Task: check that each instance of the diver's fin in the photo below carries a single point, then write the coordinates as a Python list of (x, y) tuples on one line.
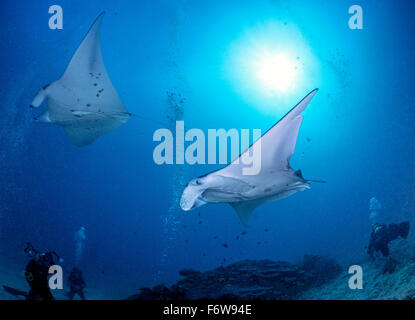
[(15, 292), (244, 209)]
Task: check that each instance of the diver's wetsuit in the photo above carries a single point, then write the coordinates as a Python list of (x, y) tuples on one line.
[(77, 284), (383, 234), (36, 274)]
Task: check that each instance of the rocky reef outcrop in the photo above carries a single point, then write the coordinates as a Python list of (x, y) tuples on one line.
[(247, 280), (320, 268), (384, 278)]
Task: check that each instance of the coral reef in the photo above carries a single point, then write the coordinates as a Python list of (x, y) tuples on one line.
[(247, 280), (320, 268), (317, 277)]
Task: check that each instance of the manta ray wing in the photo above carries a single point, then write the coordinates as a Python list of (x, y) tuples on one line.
[(277, 145), (88, 57), (84, 101)]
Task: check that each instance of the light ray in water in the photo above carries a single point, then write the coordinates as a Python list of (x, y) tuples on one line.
[(271, 62)]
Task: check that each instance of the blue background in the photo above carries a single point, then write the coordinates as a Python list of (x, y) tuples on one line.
[(359, 125)]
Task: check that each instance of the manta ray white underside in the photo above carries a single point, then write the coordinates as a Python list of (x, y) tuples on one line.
[(83, 101), (276, 179)]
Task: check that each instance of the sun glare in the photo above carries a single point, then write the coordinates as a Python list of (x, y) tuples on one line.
[(277, 72), (271, 63)]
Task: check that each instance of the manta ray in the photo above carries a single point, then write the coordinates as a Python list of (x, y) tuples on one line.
[(83, 101), (275, 180)]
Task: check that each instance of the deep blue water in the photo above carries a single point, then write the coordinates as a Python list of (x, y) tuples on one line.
[(357, 133)]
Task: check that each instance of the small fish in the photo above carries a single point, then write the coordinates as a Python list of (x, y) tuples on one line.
[(225, 245)]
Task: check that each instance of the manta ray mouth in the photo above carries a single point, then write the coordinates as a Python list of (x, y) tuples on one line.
[(187, 202), (191, 199), (187, 205)]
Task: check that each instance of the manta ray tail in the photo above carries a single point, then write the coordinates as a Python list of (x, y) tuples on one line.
[(148, 119), (244, 209), (318, 181), (299, 174)]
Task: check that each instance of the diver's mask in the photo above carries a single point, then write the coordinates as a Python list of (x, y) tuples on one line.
[(30, 251), (377, 227)]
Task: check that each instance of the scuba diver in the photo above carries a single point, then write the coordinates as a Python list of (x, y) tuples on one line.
[(77, 284), (382, 234), (36, 274), (37, 271)]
